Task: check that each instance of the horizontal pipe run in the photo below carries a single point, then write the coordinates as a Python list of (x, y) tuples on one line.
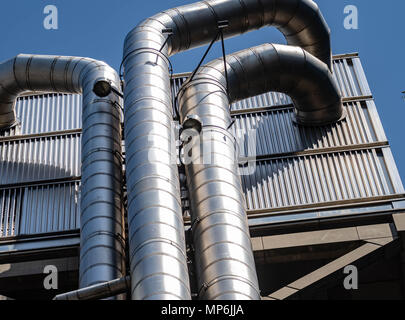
[(98, 291)]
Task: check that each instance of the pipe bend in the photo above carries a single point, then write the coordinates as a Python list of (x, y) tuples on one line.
[(194, 25), (47, 73), (191, 26), (287, 69), (101, 221)]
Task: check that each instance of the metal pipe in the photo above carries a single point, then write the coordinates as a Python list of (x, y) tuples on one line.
[(102, 227), (98, 291), (270, 67), (157, 248), (224, 257)]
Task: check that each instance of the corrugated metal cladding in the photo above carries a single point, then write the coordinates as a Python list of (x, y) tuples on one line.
[(289, 166), (40, 167), (40, 209), (294, 167)]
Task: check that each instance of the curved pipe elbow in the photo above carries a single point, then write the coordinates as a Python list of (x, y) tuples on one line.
[(193, 25), (280, 68), (102, 250), (43, 73)]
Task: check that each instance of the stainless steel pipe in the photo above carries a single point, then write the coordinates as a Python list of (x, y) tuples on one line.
[(224, 257), (98, 291), (268, 67), (102, 228), (157, 248)]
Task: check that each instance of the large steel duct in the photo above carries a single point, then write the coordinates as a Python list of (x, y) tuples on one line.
[(102, 228), (156, 234), (224, 258)]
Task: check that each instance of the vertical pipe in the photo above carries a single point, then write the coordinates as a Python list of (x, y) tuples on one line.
[(224, 257), (157, 248), (101, 220)]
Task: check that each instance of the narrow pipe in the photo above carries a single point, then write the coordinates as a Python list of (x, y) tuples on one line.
[(224, 257), (102, 228), (156, 232), (99, 291)]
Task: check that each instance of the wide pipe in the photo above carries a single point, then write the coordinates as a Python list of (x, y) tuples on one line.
[(156, 234), (270, 67), (101, 220), (224, 257)]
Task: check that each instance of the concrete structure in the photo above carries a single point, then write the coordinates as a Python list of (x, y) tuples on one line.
[(318, 198)]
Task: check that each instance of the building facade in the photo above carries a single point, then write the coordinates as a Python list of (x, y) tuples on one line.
[(318, 198)]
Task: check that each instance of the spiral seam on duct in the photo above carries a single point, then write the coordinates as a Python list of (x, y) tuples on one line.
[(224, 257), (157, 253), (102, 255)]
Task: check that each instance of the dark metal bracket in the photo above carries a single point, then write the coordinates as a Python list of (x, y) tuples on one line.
[(223, 24)]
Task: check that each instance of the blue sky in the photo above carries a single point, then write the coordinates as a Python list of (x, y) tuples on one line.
[(97, 29)]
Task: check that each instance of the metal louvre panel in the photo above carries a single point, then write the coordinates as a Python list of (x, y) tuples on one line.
[(268, 99), (274, 132), (350, 77), (101, 221), (50, 208), (347, 73), (46, 158), (10, 206), (219, 225), (14, 131), (49, 113), (360, 129), (40, 209), (63, 111), (295, 181), (264, 100), (52, 112)]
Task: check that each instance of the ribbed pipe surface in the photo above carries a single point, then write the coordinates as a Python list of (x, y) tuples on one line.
[(156, 228), (271, 67), (157, 248), (102, 230), (224, 257)]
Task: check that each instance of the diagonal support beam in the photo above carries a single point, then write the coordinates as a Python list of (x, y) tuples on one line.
[(399, 220), (370, 246)]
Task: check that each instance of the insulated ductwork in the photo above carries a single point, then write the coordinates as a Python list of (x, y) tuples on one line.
[(269, 67), (224, 258), (157, 248), (102, 231), (98, 291)]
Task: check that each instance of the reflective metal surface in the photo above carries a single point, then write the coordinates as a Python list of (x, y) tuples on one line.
[(98, 291), (101, 219), (152, 176), (265, 130), (46, 113), (40, 158), (56, 207), (224, 257), (313, 179), (272, 67)]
